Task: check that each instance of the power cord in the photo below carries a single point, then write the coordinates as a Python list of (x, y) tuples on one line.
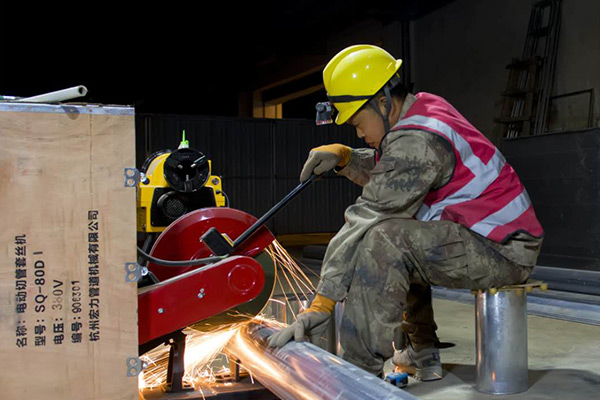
[(169, 263)]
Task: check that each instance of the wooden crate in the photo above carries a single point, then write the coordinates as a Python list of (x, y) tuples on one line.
[(68, 319)]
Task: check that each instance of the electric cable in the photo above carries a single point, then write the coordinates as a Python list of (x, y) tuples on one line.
[(169, 263), (226, 198)]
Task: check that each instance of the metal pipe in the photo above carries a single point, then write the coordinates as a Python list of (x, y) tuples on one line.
[(501, 341), (301, 370), (569, 280)]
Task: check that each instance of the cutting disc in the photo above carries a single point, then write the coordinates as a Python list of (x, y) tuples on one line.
[(181, 241)]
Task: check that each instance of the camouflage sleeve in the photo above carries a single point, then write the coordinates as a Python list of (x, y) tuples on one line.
[(358, 169), (398, 184)]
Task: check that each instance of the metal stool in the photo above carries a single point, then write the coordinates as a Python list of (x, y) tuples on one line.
[(501, 338)]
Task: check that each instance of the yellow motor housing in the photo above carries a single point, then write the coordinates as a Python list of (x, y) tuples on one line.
[(159, 203)]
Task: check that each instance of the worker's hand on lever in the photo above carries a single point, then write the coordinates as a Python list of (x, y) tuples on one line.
[(312, 323), (325, 158)]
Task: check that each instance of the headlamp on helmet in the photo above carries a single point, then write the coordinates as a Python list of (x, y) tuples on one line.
[(324, 113)]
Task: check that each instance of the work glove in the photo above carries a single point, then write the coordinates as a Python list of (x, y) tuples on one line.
[(325, 158), (312, 322)]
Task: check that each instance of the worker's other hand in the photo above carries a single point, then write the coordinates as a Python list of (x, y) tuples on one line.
[(325, 158), (311, 323)]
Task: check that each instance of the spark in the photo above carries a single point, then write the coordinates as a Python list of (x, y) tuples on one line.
[(298, 283), (257, 359), (201, 350), (286, 263), (204, 350), (289, 305), (267, 321)]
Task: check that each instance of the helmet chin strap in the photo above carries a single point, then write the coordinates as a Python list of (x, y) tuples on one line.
[(388, 108)]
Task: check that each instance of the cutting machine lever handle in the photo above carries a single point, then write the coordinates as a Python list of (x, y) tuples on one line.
[(273, 210), (220, 246)]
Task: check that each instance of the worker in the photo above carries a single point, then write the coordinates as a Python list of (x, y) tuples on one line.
[(440, 206)]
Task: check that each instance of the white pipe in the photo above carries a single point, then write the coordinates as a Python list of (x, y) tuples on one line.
[(59, 95)]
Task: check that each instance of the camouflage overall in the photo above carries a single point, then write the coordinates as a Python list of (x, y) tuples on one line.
[(383, 261)]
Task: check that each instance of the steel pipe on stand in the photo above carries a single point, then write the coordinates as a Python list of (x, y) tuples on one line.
[(501, 341)]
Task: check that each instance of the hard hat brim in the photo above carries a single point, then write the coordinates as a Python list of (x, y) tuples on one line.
[(342, 117)]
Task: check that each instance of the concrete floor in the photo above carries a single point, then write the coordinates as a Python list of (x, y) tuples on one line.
[(564, 358)]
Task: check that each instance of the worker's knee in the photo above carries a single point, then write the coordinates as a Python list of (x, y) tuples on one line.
[(381, 273), (377, 234), (390, 233)]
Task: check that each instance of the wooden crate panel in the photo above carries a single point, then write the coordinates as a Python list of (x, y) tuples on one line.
[(68, 319)]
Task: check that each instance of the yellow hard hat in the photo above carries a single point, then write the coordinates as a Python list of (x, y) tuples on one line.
[(355, 75)]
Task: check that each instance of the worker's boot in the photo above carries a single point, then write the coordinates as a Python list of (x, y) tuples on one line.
[(424, 364)]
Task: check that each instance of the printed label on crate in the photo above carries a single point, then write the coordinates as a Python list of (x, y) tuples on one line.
[(53, 311)]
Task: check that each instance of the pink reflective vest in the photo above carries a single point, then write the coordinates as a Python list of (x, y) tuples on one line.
[(484, 193)]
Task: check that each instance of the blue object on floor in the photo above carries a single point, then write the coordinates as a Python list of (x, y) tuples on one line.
[(398, 379)]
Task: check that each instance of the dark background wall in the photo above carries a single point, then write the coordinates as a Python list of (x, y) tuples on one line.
[(260, 161), (561, 172), (460, 52)]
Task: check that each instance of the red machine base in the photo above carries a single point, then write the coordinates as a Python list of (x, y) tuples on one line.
[(196, 295)]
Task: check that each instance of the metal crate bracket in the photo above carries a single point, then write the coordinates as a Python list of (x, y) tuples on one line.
[(131, 177), (134, 272), (134, 366)]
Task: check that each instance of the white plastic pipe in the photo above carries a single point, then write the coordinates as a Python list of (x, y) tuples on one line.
[(59, 95)]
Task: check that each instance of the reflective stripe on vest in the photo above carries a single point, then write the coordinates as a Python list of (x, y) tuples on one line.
[(484, 174), (472, 197)]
